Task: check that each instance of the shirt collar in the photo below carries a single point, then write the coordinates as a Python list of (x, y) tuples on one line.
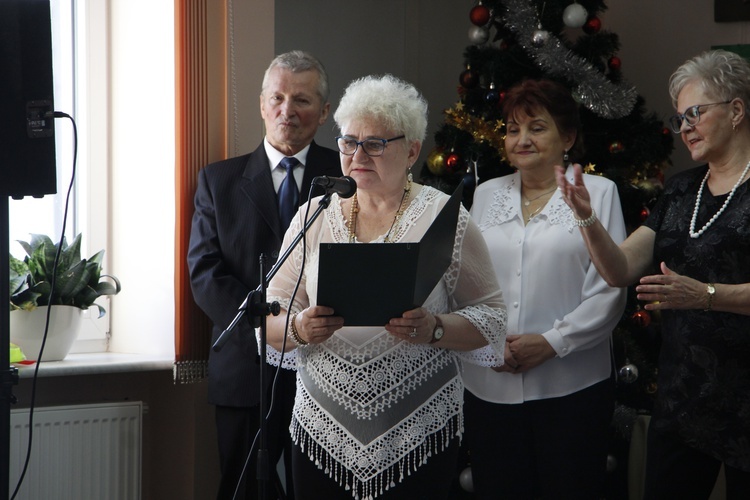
[(275, 156)]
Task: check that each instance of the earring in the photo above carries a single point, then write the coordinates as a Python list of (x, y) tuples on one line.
[(565, 156), (734, 127), (409, 177)]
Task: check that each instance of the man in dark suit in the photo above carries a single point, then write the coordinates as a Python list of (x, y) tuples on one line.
[(237, 218)]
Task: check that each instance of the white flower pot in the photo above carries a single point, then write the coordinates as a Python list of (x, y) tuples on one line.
[(27, 331)]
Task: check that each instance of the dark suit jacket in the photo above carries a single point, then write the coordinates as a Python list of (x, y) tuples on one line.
[(236, 220)]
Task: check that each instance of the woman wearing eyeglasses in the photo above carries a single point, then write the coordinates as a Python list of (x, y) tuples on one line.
[(379, 408), (691, 260)]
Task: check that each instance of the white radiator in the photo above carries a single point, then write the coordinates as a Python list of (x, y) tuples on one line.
[(83, 452)]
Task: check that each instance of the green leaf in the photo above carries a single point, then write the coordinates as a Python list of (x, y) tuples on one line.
[(78, 282), (71, 281), (19, 275)]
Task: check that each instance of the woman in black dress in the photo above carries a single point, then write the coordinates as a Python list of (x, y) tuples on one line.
[(691, 259)]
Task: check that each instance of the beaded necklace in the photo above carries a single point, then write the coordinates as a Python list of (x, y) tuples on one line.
[(692, 232), (352, 224)]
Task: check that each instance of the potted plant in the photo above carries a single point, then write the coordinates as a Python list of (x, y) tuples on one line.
[(79, 282)]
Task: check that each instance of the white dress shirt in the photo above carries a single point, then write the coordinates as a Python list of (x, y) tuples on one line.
[(550, 286), (278, 173)]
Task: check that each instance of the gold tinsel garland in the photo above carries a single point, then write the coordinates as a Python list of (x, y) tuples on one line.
[(481, 130)]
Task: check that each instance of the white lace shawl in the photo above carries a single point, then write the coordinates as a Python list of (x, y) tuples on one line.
[(370, 408)]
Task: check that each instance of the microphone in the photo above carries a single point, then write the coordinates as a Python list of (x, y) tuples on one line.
[(344, 186)]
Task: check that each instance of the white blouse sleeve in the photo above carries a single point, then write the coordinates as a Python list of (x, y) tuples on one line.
[(476, 293), (601, 305), (285, 280)]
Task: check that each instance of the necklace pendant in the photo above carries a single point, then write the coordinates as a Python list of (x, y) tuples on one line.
[(526, 203)]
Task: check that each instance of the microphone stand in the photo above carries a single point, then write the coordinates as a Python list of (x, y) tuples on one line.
[(257, 308), (224, 337)]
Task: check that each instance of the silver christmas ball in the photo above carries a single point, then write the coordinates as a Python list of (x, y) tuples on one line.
[(628, 373), (466, 480), (479, 35), (575, 15), (539, 38)]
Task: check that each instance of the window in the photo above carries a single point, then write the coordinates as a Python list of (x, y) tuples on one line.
[(114, 73), (46, 215)]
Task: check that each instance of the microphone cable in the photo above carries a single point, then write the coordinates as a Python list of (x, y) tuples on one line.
[(53, 282)]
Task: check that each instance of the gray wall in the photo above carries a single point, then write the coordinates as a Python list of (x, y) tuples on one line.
[(421, 41), (656, 37)]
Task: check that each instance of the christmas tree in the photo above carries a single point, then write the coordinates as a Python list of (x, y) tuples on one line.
[(565, 41)]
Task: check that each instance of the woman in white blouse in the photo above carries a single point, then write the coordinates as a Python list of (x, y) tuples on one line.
[(378, 411), (537, 426)]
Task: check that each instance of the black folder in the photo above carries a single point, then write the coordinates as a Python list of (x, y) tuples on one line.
[(370, 283)]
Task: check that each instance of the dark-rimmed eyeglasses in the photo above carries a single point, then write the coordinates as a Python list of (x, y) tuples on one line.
[(692, 116), (373, 147)]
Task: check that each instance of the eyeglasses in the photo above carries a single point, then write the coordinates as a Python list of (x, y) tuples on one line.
[(373, 147), (692, 116)]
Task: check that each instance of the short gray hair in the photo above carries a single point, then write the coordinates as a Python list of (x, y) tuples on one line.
[(298, 61), (723, 75), (386, 100)]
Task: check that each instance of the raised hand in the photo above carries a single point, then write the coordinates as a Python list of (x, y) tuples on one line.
[(575, 194)]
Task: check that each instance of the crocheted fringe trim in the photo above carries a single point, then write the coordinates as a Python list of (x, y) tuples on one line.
[(189, 372), (369, 489)]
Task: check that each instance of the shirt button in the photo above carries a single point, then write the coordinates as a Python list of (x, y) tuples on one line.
[(515, 305)]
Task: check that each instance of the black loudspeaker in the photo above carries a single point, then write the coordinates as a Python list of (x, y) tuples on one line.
[(27, 138)]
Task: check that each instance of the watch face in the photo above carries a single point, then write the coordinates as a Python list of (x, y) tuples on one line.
[(711, 289), (438, 333)]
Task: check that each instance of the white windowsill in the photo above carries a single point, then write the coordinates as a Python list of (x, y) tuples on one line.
[(98, 363)]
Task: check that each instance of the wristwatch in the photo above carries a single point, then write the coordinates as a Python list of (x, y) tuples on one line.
[(438, 332), (711, 291)]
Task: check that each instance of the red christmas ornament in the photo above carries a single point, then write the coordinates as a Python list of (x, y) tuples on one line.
[(616, 147), (644, 214), (614, 63), (593, 25), (453, 163), (641, 318), (469, 79), (479, 15)]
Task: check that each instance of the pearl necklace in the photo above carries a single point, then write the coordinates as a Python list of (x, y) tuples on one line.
[(692, 232), (352, 224)]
